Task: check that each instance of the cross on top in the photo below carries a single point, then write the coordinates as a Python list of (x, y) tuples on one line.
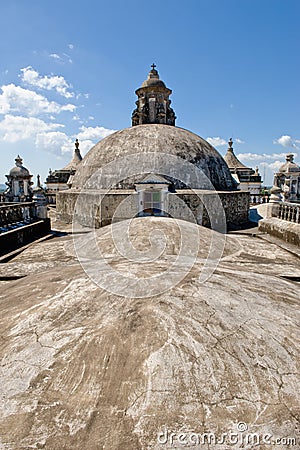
[(153, 66)]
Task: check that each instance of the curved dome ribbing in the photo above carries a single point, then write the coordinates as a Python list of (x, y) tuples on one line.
[(157, 138)]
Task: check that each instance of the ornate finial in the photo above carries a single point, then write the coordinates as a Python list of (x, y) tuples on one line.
[(38, 181), (153, 66), (19, 160), (77, 154), (290, 157), (230, 143)]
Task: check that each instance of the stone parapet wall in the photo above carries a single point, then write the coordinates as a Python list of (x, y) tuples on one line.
[(97, 208), (288, 231), (16, 238), (236, 205), (205, 203)]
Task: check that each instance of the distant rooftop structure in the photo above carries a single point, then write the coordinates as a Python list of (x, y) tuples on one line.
[(62, 179), (232, 161), (19, 183), (38, 188), (289, 165), (288, 179), (247, 178)]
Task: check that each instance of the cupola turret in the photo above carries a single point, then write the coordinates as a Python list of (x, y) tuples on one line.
[(153, 104)]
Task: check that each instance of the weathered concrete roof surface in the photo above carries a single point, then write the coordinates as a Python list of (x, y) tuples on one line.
[(82, 368), (159, 139)]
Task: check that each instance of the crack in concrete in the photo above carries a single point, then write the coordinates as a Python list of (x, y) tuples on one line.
[(42, 345)]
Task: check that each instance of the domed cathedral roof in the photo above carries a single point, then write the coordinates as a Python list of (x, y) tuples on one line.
[(154, 130), (289, 165), (157, 138), (19, 170)]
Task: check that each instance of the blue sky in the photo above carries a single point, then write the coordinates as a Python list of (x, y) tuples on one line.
[(69, 69)]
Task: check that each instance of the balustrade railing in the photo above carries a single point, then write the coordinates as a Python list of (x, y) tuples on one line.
[(14, 215), (288, 211), (256, 199)]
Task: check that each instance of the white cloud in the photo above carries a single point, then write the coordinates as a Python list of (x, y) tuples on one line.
[(18, 128), (16, 99), (71, 46), (48, 136), (64, 57), (54, 142), (59, 143), (261, 157), (216, 141), (54, 82), (287, 141), (88, 136), (220, 142), (45, 136), (93, 133), (55, 56), (274, 166)]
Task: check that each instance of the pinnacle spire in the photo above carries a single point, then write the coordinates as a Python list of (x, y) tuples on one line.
[(19, 161), (77, 158), (231, 159)]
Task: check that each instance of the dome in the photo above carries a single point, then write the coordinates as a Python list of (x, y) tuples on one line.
[(153, 82), (160, 139), (153, 79), (19, 170)]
